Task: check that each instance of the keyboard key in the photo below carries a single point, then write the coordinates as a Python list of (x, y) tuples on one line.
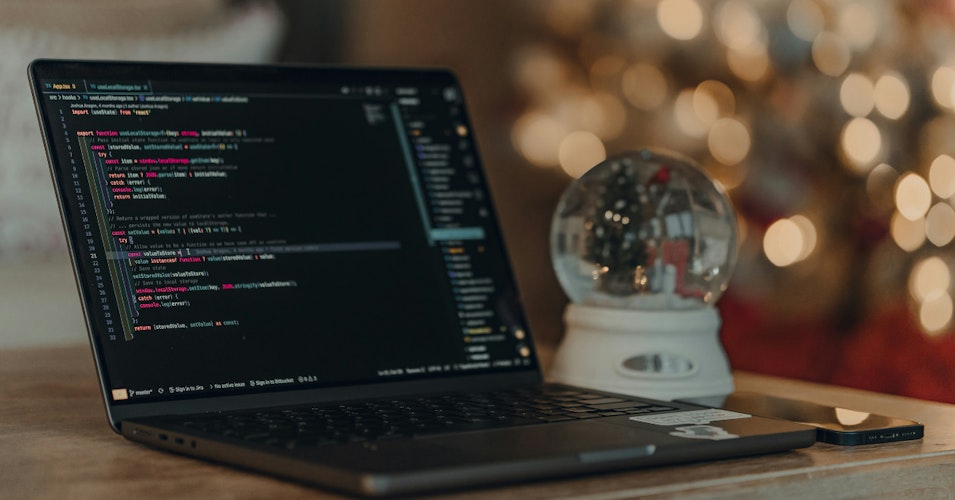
[(556, 418), (602, 401), (618, 406)]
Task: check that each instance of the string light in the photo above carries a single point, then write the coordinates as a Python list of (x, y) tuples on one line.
[(729, 141), (935, 314), (738, 25), (705, 106), (805, 19), (943, 84), (644, 86), (908, 234), (686, 116), (940, 224), (720, 93), (788, 241), (809, 234), (538, 70), (929, 284), (928, 277), (751, 65), (579, 151), (537, 137), (858, 25), (861, 142), (830, 54), (942, 176), (680, 19), (603, 114), (913, 196), (891, 95), (857, 95)]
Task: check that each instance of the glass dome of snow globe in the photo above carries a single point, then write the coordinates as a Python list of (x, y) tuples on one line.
[(644, 230)]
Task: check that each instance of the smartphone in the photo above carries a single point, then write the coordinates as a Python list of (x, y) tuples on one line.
[(839, 426)]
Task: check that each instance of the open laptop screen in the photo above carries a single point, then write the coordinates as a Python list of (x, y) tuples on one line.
[(241, 229)]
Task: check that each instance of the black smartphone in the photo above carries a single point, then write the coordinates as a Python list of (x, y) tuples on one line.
[(840, 426)]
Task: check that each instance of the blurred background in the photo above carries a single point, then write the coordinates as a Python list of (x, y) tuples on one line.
[(830, 122)]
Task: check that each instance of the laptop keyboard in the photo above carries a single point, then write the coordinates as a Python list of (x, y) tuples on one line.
[(399, 418)]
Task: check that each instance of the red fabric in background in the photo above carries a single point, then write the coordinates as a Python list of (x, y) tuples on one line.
[(888, 353)]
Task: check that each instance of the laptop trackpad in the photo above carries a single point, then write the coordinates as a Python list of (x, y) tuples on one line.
[(588, 441)]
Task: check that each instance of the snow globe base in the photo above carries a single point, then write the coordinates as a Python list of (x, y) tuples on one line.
[(664, 354)]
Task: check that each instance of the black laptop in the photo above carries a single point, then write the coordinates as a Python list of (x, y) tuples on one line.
[(298, 271)]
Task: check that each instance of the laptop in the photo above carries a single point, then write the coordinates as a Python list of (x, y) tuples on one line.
[(298, 271)]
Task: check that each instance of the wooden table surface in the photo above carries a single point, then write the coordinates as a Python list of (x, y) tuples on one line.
[(55, 443)]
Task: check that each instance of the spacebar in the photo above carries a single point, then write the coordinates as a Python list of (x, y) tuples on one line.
[(475, 426)]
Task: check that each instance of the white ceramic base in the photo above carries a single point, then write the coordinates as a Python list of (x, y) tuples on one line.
[(657, 354)]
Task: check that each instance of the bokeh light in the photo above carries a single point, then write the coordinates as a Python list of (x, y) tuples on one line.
[(788, 241), (856, 95), (861, 142), (940, 224), (537, 137), (705, 106), (720, 93), (912, 196), (941, 176), (908, 234), (729, 141), (858, 24), (830, 53), (686, 117), (783, 243), (580, 151), (644, 86), (539, 69), (929, 284), (738, 25), (891, 95), (935, 313), (805, 19), (680, 19), (943, 84), (752, 65), (809, 235), (603, 114), (928, 277)]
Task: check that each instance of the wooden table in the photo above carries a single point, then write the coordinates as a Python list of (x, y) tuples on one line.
[(55, 443)]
